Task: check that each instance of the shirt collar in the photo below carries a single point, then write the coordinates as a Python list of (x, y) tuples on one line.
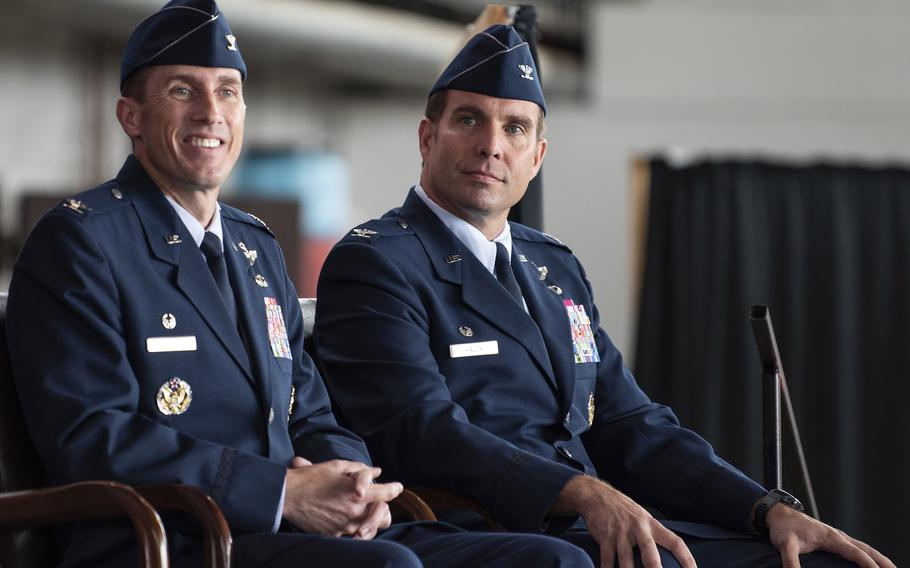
[(197, 231), (470, 236)]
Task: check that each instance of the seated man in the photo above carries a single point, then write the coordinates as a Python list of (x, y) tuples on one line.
[(467, 351), (139, 357)]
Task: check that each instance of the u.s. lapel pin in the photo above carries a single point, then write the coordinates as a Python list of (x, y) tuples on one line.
[(452, 258), (173, 239), (250, 254), (522, 258)]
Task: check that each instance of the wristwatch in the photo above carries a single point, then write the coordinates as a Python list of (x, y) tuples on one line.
[(771, 498)]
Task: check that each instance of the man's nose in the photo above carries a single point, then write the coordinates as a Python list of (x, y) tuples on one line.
[(208, 109), (489, 142)]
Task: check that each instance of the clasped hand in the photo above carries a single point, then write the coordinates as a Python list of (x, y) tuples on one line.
[(337, 498)]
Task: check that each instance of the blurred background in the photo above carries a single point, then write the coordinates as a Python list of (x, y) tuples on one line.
[(704, 156)]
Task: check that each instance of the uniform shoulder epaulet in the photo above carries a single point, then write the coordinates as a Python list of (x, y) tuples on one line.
[(103, 198), (244, 217), (376, 228), (524, 233)]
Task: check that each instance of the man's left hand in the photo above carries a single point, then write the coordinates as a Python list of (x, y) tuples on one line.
[(792, 533)]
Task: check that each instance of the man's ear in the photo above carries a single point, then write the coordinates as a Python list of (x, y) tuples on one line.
[(425, 131), (540, 153), (129, 117)]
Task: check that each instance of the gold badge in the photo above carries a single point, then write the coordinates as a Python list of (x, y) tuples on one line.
[(261, 281), (76, 205), (250, 254), (466, 331), (291, 405), (168, 321), (591, 409), (174, 397)]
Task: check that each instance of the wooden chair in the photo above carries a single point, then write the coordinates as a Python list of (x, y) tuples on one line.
[(28, 506)]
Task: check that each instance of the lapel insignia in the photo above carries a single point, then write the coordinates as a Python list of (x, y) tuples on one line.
[(452, 258), (291, 405), (278, 334), (232, 42), (591, 409), (583, 344), (174, 397), (168, 321), (542, 272), (76, 205), (522, 258), (261, 281), (250, 254), (466, 331), (173, 239), (555, 289), (365, 233)]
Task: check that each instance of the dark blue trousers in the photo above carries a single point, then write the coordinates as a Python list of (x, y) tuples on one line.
[(716, 547), (408, 545)]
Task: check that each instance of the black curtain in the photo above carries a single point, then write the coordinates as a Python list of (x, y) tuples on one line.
[(827, 248)]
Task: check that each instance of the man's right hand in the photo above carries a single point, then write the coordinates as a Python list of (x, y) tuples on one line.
[(619, 524), (337, 498)]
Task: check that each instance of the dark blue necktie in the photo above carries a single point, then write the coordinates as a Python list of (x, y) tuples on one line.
[(214, 256), (504, 274)]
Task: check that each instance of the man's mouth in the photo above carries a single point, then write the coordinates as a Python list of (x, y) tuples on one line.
[(200, 142), (482, 175)]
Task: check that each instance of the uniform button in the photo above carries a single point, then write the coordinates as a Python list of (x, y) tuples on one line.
[(565, 451), (271, 415)]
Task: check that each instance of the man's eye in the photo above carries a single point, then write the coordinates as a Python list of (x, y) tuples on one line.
[(515, 129), (469, 120), (181, 91), (227, 93)]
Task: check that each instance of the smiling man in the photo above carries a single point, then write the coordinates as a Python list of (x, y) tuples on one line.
[(156, 338), (468, 353)]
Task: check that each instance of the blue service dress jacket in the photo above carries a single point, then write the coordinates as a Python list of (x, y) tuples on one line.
[(453, 384), (129, 368)]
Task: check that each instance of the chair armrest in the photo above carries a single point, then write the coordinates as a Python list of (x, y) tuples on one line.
[(216, 533), (411, 507), (88, 500), (440, 500)]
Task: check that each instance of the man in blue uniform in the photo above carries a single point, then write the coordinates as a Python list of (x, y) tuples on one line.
[(468, 353), (155, 338)]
